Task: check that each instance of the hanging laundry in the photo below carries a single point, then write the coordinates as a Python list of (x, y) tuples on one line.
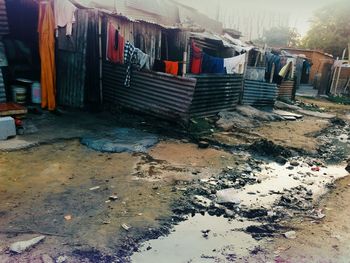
[(129, 52), (142, 60), (171, 67), (196, 59), (64, 15), (46, 29), (134, 56), (159, 65), (212, 65), (115, 45), (235, 64), (286, 69)]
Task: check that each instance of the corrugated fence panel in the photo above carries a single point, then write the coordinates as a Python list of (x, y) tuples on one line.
[(157, 94), (285, 90), (71, 65), (2, 88), (4, 27), (258, 93), (215, 93)]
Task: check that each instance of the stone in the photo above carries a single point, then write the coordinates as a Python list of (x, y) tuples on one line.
[(227, 196), (47, 259), (290, 235), (203, 144), (21, 246), (294, 163), (202, 201)]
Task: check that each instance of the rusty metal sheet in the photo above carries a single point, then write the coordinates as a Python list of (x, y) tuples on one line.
[(285, 90), (258, 93)]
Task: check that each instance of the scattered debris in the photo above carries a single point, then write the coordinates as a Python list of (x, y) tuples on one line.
[(95, 188), (61, 259), (126, 227), (113, 197), (21, 246), (68, 217)]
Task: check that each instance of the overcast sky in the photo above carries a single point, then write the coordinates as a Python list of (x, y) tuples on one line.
[(298, 12)]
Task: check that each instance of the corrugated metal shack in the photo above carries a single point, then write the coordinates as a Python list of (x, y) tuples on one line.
[(176, 98)]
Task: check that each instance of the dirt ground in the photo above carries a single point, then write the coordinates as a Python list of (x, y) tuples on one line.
[(182, 203), (298, 134)]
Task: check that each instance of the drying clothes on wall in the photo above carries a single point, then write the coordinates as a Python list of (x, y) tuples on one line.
[(212, 65), (115, 45), (134, 56), (64, 15), (196, 59), (270, 60), (142, 60), (46, 29), (235, 64), (171, 67), (129, 53), (159, 65), (286, 69)]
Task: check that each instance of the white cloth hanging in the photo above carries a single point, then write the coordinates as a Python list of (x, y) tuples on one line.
[(64, 15), (235, 64)]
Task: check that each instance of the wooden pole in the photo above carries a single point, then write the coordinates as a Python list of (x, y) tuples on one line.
[(272, 72), (100, 56), (339, 71)]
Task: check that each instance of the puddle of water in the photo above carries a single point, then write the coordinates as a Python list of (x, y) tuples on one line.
[(278, 178), (187, 243)]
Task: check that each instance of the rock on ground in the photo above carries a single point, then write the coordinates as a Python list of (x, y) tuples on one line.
[(285, 106), (231, 119), (253, 113), (21, 246)]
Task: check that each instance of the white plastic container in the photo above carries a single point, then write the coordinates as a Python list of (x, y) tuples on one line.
[(36, 93), (7, 128)]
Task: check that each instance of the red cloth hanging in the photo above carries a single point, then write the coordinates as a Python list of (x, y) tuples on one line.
[(115, 45), (171, 67), (197, 56)]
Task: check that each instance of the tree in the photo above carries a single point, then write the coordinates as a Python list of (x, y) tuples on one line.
[(280, 37), (330, 29)]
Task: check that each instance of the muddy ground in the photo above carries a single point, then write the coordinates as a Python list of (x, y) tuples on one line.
[(173, 201)]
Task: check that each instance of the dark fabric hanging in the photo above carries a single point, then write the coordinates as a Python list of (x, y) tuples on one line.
[(93, 95)]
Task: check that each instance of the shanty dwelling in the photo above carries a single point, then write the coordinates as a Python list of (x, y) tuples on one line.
[(271, 75), (189, 68), (316, 69), (165, 85)]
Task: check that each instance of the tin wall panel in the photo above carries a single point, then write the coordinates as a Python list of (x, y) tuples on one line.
[(153, 93), (215, 93), (260, 94), (4, 27), (71, 65)]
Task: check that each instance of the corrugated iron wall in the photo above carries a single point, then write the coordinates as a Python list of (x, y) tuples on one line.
[(71, 65), (260, 94), (157, 94), (215, 93), (4, 27), (285, 90)]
